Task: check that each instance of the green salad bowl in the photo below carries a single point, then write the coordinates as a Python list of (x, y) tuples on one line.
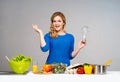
[(20, 67)]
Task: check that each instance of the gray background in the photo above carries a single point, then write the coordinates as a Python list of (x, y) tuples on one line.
[(101, 16)]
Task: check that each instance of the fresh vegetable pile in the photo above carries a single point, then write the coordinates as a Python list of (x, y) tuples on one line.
[(56, 68), (59, 68), (80, 69), (20, 64)]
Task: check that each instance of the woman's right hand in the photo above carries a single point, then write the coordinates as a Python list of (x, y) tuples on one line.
[(35, 27), (39, 31)]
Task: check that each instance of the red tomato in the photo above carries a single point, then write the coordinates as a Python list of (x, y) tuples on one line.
[(80, 70)]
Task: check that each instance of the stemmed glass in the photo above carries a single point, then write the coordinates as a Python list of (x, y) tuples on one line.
[(84, 33)]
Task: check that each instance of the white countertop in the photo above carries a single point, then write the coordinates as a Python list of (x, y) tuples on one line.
[(111, 76)]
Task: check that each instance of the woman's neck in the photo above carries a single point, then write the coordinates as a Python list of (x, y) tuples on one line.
[(61, 33)]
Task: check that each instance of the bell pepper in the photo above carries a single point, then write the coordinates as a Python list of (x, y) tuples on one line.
[(88, 69), (47, 67)]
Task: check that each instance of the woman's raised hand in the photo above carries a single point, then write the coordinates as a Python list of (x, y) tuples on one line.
[(39, 31), (35, 27), (82, 44)]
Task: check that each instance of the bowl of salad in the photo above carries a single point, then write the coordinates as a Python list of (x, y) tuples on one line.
[(20, 64)]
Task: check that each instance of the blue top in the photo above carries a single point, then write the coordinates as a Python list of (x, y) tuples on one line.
[(60, 49)]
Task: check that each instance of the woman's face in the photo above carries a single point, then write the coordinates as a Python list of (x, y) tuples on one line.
[(58, 23)]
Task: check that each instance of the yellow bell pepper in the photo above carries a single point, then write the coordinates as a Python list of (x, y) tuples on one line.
[(88, 69)]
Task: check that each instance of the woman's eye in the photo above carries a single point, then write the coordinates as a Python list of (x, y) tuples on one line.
[(54, 21), (59, 20)]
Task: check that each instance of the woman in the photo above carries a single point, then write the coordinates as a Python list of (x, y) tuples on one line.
[(59, 43)]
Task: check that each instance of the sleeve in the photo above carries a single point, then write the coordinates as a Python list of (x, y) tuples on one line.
[(71, 47), (47, 40)]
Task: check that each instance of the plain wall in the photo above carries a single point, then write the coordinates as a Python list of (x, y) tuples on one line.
[(101, 16)]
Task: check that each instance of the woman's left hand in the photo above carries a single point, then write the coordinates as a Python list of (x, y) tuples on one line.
[(82, 44)]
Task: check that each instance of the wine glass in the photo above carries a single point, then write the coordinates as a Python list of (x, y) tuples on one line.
[(84, 33)]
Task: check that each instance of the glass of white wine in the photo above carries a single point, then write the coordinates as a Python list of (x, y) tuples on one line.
[(84, 33)]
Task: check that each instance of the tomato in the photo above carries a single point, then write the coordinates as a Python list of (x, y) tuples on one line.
[(47, 67), (80, 70)]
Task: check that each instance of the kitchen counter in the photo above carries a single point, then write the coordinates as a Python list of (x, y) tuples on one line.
[(110, 76)]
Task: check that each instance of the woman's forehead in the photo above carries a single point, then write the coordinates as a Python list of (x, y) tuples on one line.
[(57, 18)]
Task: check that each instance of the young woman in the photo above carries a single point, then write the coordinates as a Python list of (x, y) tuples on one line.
[(59, 43)]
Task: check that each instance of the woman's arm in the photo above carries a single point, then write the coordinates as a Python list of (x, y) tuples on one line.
[(39, 31), (80, 46)]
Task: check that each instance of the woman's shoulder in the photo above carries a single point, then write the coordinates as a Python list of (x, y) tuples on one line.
[(70, 35), (47, 34)]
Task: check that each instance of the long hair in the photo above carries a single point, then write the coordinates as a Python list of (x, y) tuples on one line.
[(53, 33)]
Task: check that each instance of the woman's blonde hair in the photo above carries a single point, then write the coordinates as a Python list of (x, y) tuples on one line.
[(53, 33)]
